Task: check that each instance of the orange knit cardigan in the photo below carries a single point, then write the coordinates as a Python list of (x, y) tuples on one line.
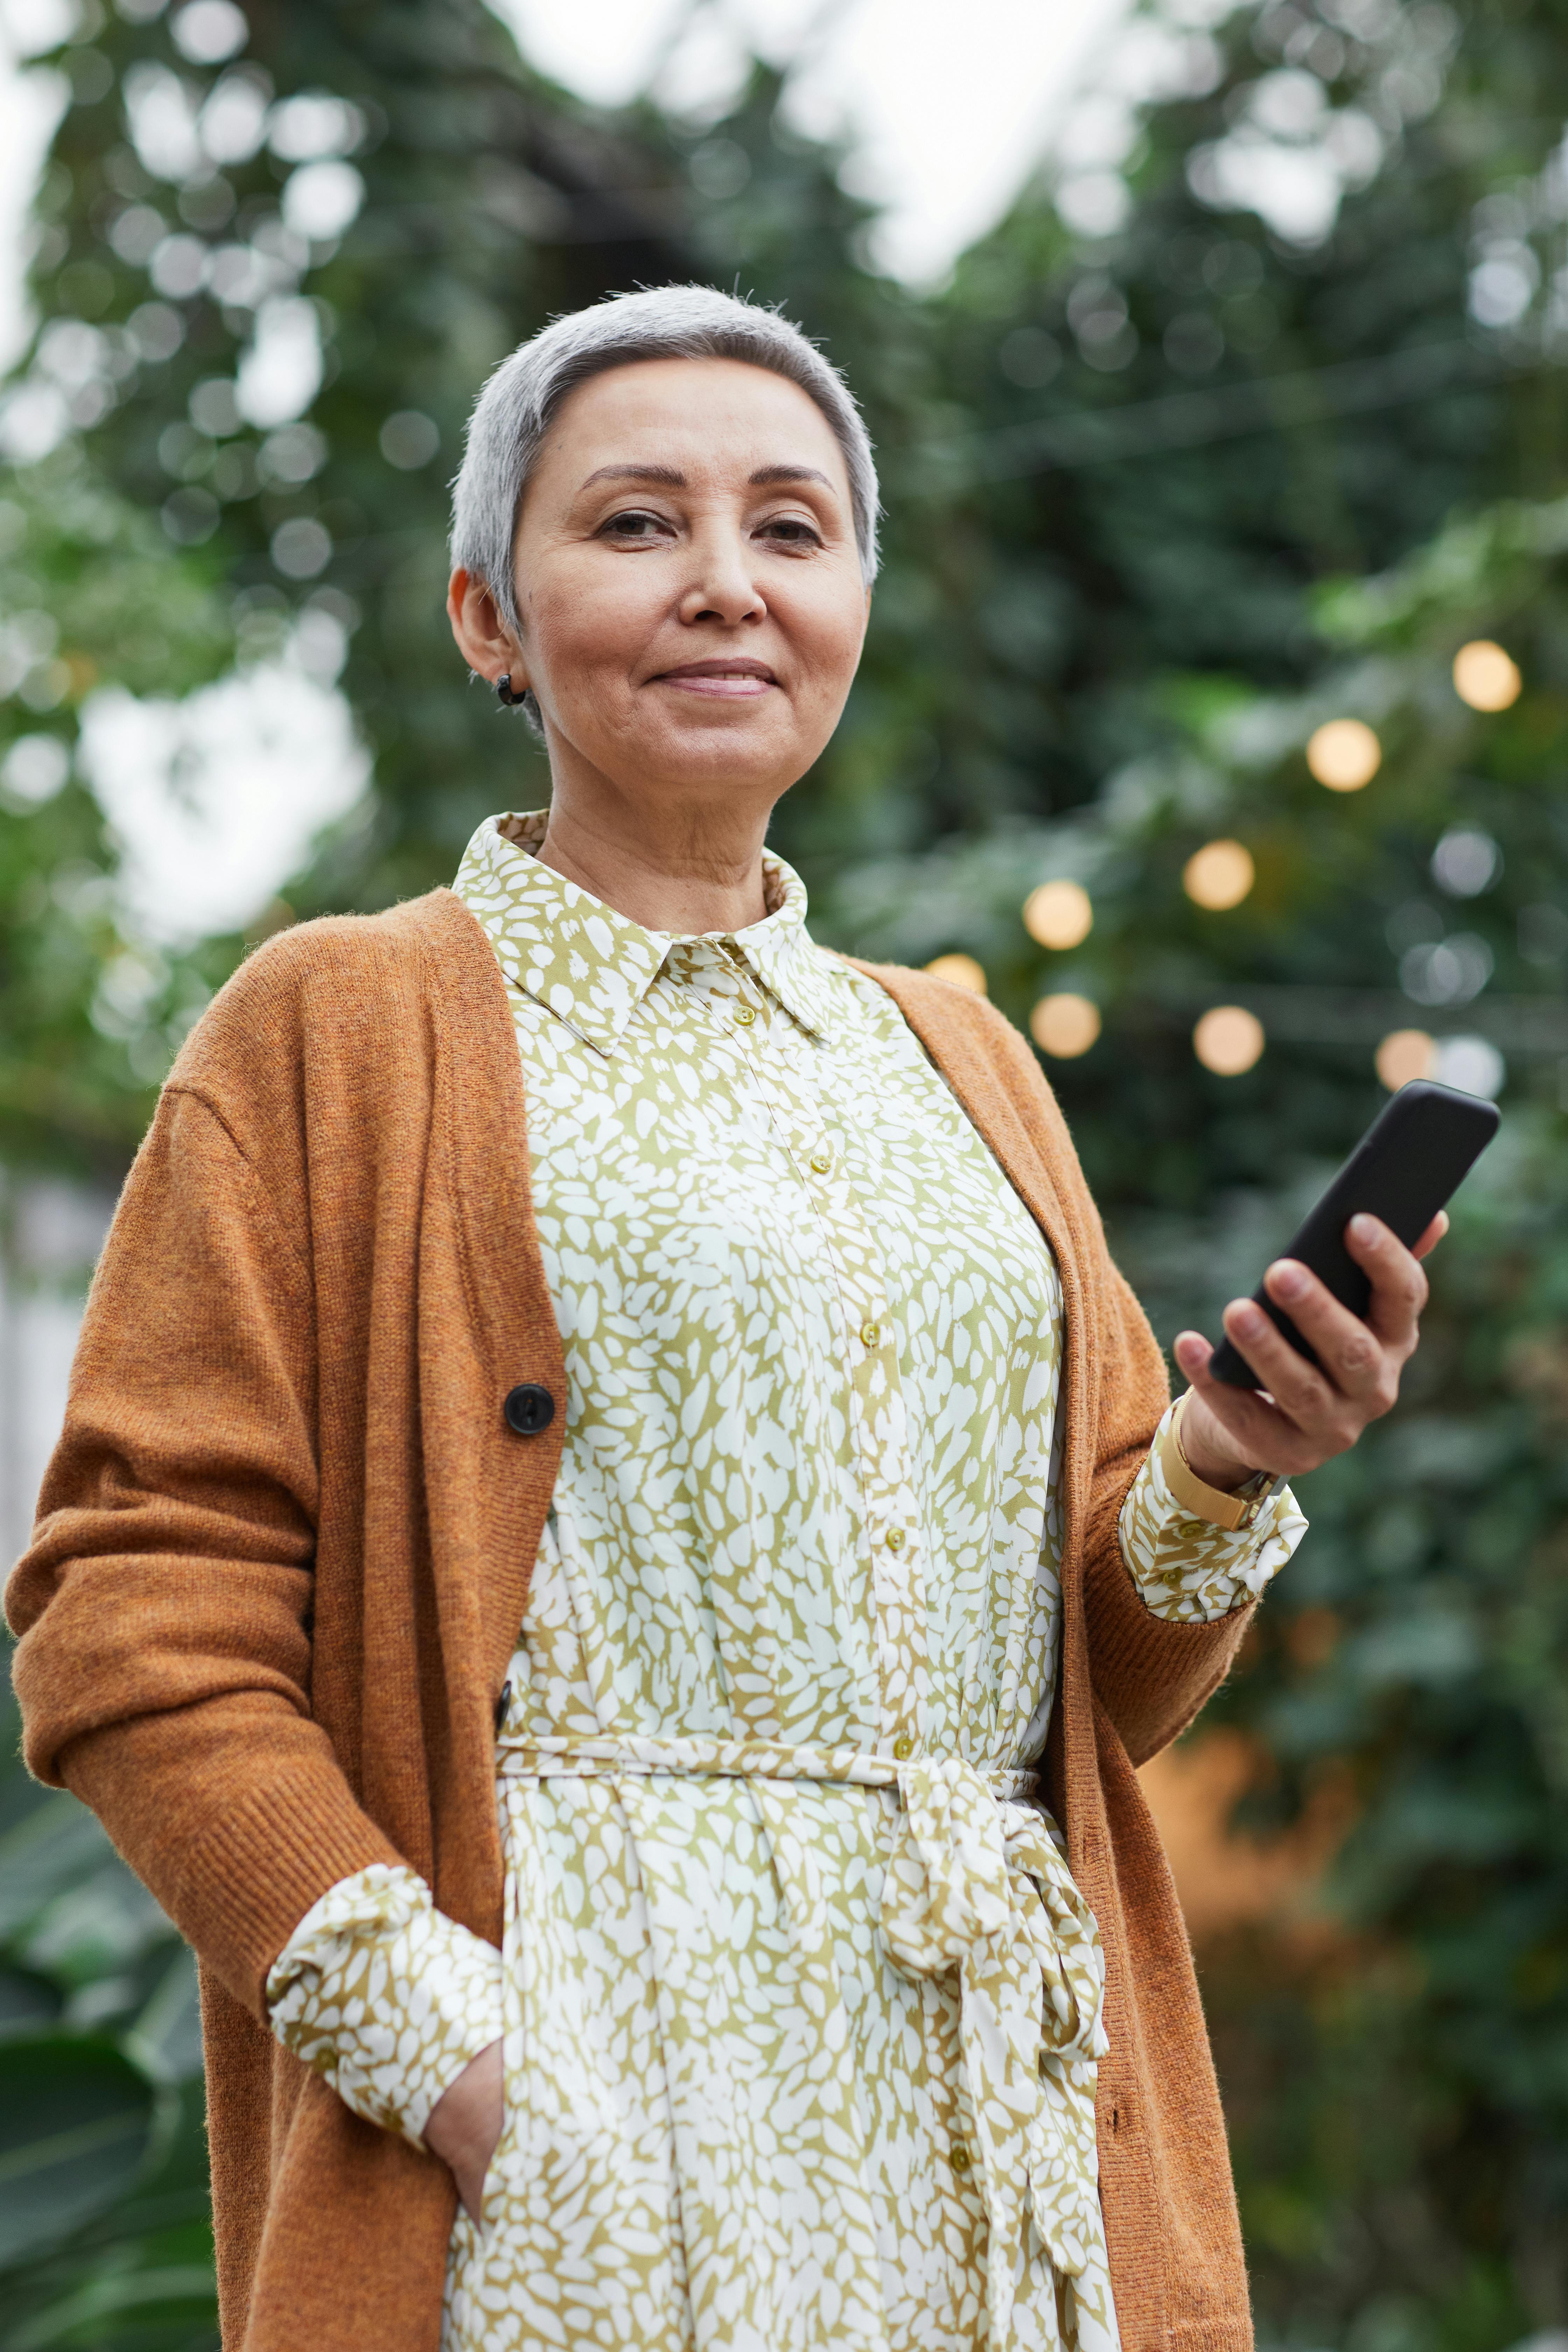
[(284, 1544)]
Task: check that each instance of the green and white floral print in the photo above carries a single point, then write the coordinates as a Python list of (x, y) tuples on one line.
[(379, 1995), (800, 2006)]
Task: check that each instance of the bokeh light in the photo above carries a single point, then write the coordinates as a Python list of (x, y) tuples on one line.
[(32, 770), (1485, 677), (1228, 1040), (1405, 1054), (1466, 862), (1058, 914), (1473, 1064), (963, 970), (1344, 754), (1219, 875), (1065, 1026)]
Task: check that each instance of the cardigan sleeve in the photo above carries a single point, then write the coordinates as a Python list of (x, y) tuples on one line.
[(164, 1669)]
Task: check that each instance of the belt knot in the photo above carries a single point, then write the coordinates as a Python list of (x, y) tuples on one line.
[(981, 1889)]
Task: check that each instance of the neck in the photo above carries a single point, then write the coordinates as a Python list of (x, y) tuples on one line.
[(670, 869)]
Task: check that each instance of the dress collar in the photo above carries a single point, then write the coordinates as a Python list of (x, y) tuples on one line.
[(590, 967)]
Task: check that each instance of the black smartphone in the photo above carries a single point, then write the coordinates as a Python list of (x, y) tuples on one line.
[(1409, 1162)]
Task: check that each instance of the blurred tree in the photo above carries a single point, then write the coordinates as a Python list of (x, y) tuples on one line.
[(274, 264), (271, 349), (1158, 435), (1289, 301)]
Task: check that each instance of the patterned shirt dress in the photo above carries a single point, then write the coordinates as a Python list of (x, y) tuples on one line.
[(800, 2006)]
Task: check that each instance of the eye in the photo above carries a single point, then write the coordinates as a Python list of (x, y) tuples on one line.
[(790, 530), (634, 524)]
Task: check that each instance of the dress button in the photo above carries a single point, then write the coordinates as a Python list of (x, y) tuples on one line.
[(821, 1161), (1188, 1528), (903, 1748), (895, 1538), (960, 2157), (529, 1409), (870, 1335), (744, 1017)]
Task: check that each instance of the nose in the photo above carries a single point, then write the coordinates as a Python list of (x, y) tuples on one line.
[(722, 586)]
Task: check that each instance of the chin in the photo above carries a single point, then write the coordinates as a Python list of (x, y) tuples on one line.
[(715, 755), (716, 746)]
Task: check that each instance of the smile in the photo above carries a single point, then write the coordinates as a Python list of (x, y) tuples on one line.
[(737, 680)]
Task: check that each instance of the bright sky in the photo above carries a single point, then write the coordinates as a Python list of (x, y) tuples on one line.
[(949, 105)]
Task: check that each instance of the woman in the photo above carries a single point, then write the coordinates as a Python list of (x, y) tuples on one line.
[(609, 1482)]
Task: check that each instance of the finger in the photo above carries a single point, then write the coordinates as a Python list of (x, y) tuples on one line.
[(1305, 1396), (1432, 1237), (1290, 1401), (1253, 1424), (1229, 1405), (1399, 1289), (1355, 1360)]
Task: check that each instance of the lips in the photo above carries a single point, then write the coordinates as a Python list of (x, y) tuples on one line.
[(735, 678)]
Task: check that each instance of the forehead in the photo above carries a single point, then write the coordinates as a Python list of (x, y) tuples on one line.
[(704, 416)]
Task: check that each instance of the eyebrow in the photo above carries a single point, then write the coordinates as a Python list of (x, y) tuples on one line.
[(672, 479), (765, 473), (670, 476)]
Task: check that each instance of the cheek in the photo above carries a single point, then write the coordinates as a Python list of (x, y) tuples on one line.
[(585, 627), (826, 631)]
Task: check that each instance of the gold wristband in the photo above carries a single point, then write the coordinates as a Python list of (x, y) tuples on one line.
[(1205, 1502)]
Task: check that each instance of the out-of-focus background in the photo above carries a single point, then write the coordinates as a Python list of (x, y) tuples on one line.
[(1214, 719)]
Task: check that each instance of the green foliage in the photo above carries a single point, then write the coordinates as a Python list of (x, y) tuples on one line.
[(79, 2119), (105, 2238), (1162, 498), (101, 595)]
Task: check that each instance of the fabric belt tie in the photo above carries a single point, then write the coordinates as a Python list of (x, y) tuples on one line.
[(977, 1889)]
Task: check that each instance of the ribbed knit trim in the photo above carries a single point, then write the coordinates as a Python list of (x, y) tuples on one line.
[(246, 1884)]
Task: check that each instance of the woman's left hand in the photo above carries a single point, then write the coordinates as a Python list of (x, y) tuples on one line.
[(1309, 1414), (464, 2126)]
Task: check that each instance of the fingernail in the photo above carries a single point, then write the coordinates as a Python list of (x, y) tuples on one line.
[(1288, 1277), (1250, 1318), (1363, 1229)]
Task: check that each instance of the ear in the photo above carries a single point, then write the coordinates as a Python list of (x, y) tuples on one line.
[(484, 640)]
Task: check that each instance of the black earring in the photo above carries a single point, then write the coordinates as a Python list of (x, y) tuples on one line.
[(504, 695)]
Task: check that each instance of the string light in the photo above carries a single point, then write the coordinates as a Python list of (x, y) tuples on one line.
[(1404, 1055), (961, 969), (1344, 754), (1228, 1040), (1065, 1026), (1219, 875), (1058, 914), (1485, 677)]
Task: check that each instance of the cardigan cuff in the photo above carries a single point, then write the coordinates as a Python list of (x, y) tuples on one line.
[(247, 1874)]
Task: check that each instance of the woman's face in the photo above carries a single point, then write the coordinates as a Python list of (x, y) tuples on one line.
[(689, 590)]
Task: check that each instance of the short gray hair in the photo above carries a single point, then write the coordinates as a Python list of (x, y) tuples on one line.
[(513, 412)]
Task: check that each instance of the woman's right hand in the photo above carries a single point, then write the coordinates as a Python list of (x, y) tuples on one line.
[(464, 2126)]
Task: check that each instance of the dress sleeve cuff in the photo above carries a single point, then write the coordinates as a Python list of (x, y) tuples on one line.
[(1195, 1553), (384, 1997)]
